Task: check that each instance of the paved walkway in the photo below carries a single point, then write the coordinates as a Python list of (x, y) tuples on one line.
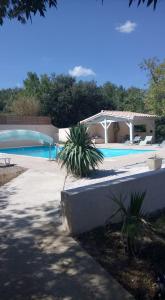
[(38, 261)]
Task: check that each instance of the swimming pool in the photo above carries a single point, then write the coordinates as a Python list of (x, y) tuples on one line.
[(44, 151)]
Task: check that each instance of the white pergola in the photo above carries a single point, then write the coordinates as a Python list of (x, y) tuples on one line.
[(105, 118)]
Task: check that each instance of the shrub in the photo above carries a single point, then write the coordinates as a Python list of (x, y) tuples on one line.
[(79, 155), (133, 219)]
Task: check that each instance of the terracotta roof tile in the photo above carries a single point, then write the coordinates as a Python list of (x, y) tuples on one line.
[(120, 114)]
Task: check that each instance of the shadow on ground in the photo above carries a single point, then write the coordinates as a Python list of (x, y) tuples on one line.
[(105, 173), (39, 262)]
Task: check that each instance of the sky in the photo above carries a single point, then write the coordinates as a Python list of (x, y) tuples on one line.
[(85, 39)]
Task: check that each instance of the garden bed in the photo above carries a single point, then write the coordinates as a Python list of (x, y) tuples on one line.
[(10, 172), (139, 274)]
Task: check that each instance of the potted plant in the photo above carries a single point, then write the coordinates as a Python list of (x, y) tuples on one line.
[(154, 163)]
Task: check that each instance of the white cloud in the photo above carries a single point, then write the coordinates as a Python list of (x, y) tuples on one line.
[(127, 27), (79, 71)]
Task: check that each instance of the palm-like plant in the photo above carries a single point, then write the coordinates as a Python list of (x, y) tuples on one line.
[(133, 219), (79, 155)]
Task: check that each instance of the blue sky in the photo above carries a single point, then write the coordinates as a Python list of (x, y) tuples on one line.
[(101, 42)]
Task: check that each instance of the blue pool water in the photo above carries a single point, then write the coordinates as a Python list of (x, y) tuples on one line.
[(121, 152), (43, 151)]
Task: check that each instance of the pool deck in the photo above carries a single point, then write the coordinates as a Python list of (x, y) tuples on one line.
[(118, 167), (39, 261)]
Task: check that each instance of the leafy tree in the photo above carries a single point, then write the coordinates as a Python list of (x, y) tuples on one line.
[(87, 100), (113, 96), (160, 129), (56, 99), (79, 156), (134, 100), (155, 96), (150, 67), (32, 85), (24, 9), (148, 2), (68, 101), (25, 106), (6, 98)]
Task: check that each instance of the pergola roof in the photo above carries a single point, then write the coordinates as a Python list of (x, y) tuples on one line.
[(118, 116)]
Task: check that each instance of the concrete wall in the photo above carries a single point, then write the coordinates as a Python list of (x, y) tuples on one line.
[(98, 130), (88, 207), (46, 129), (63, 134), (150, 128)]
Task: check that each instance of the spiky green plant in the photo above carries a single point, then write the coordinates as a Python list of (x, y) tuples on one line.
[(133, 219), (79, 155)]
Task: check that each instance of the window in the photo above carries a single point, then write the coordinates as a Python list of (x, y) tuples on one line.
[(140, 128)]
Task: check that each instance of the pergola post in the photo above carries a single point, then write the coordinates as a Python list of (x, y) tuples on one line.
[(105, 133), (106, 125), (131, 131)]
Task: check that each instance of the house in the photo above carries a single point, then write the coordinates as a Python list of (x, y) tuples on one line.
[(118, 126)]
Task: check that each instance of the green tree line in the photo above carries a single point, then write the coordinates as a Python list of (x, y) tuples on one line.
[(68, 101)]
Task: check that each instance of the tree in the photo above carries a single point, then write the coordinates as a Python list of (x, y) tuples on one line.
[(148, 2), (56, 99), (150, 66), (68, 101), (79, 155), (25, 106), (134, 100), (155, 95), (32, 85), (24, 9), (6, 98), (113, 96), (160, 129), (87, 100)]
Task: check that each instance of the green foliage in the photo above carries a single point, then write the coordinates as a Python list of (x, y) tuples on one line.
[(113, 96), (24, 9), (56, 99), (25, 106), (155, 95), (160, 129), (133, 222), (32, 85), (118, 98), (63, 99), (79, 155), (68, 101), (134, 100), (6, 98), (147, 2)]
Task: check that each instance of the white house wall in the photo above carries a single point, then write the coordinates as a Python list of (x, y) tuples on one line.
[(98, 130), (63, 133)]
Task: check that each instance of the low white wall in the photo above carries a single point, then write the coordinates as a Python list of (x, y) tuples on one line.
[(63, 134), (91, 206), (46, 129)]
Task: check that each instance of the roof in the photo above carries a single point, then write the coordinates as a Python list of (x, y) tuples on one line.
[(114, 114)]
